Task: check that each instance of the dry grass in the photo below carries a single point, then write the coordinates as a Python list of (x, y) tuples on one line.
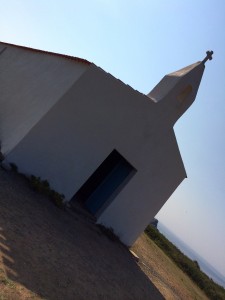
[(167, 277)]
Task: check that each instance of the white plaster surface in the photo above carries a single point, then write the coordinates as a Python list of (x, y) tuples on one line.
[(99, 113), (30, 84)]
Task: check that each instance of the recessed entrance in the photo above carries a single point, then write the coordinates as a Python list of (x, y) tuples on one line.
[(105, 183)]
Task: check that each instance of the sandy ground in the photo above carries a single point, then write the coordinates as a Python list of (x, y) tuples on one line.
[(49, 253)]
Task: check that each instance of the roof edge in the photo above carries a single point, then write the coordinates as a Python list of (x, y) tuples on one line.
[(50, 53)]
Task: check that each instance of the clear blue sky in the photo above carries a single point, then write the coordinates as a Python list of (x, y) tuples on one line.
[(139, 42)]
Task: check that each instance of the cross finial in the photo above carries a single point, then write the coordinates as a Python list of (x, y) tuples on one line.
[(208, 56)]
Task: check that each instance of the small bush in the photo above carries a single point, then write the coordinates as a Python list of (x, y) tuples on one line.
[(1, 156), (109, 232), (43, 187), (196, 264), (14, 167), (57, 198)]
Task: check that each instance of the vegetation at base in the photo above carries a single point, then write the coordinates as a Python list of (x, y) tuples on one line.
[(43, 187), (109, 232), (14, 167), (188, 266)]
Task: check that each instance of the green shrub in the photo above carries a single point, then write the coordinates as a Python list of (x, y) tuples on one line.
[(109, 232), (58, 199), (1, 156), (43, 187), (14, 167)]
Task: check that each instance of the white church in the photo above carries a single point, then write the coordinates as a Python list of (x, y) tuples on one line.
[(92, 136)]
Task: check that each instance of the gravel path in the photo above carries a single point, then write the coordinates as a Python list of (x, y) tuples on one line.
[(62, 254)]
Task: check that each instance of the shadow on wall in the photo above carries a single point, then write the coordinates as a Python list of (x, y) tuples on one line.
[(62, 255)]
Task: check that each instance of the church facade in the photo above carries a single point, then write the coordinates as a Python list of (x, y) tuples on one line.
[(92, 136)]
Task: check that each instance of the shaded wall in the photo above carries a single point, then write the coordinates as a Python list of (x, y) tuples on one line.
[(30, 84)]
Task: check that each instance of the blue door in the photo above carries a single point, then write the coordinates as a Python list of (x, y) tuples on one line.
[(109, 187)]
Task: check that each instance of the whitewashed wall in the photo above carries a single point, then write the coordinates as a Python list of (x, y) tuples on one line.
[(99, 114), (30, 84)]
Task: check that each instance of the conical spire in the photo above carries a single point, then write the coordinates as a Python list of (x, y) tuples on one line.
[(177, 90)]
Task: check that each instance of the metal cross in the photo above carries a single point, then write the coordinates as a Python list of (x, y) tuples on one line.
[(208, 56)]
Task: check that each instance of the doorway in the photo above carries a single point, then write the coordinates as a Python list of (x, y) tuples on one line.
[(105, 183)]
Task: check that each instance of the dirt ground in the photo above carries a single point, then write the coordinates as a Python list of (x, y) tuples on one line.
[(48, 253)]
